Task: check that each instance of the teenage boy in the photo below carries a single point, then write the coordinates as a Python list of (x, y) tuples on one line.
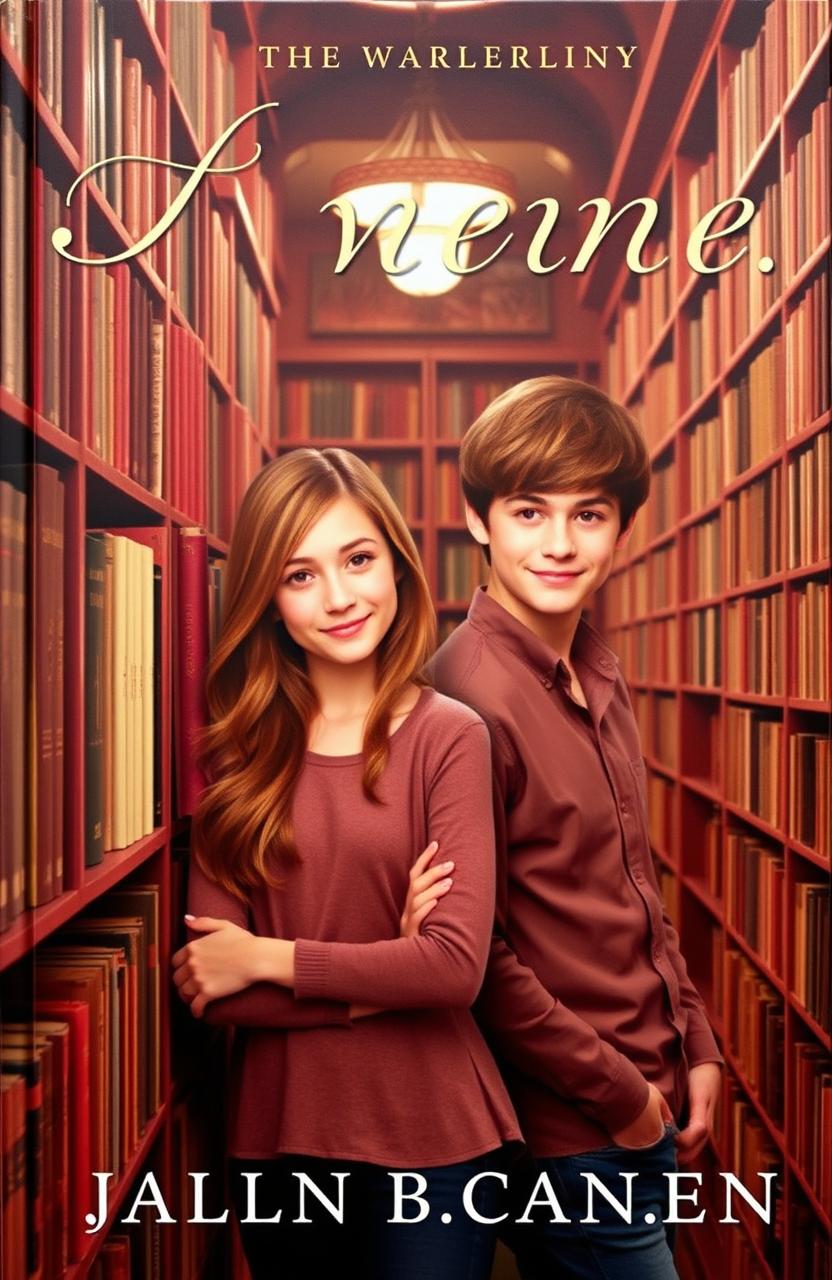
[(587, 1002)]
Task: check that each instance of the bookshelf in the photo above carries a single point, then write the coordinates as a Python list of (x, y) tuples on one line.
[(141, 391), (726, 588)]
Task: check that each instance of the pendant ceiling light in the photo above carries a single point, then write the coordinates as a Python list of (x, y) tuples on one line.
[(424, 157)]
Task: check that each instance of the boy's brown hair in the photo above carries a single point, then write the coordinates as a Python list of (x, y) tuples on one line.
[(558, 434)]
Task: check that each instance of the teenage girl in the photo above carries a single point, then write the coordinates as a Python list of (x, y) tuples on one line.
[(330, 765)]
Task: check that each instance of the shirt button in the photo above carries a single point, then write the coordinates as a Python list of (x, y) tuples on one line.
[(624, 808)]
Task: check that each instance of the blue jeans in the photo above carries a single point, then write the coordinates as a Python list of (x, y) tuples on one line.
[(366, 1244), (611, 1249)]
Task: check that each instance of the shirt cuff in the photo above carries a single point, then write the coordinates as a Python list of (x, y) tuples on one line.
[(700, 1046), (311, 969), (623, 1100)]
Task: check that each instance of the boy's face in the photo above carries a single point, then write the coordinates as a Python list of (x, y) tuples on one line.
[(550, 551)]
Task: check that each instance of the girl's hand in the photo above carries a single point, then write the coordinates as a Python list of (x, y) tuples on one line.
[(221, 963), (427, 885)]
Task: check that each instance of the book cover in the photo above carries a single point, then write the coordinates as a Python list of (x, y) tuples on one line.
[(232, 230)]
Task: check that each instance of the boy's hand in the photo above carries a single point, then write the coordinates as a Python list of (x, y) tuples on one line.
[(648, 1128), (427, 885), (703, 1091)]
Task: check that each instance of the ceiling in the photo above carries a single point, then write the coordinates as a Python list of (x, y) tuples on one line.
[(556, 129)]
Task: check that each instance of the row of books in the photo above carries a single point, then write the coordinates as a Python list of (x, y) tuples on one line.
[(462, 400), (811, 948), (804, 24), (186, 262), (220, 103), (16, 24), (51, 300), (755, 879), (187, 391), (808, 392), (703, 647), (663, 577), (704, 464), (15, 262), (661, 512), (811, 625), (461, 569), (660, 405), (756, 1035), (806, 187), (640, 574), (703, 342), (32, 692), (704, 557), (649, 651), (665, 736), (752, 554), (745, 292), (653, 580), (128, 376), (402, 478), (749, 101), (219, 338), (122, 120), (754, 761), (189, 31), (349, 408), (755, 644), (254, 355), (711, 846), (638, 321), (122, 689), (813, 1116), (124, 572), (751, 516), (659, 810), (810, 509), (449, 496), (750, 1152), (139, 1251), (810, 812), (81, 1069), (752, 412), (220, 454)]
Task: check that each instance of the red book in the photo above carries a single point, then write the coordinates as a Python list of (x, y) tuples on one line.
[(77, 1014), (44, 580), (192, 657), (175, 394)]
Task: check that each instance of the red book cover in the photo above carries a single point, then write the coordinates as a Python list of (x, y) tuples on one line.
[(191, 657)]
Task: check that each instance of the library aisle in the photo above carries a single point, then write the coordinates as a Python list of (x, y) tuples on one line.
[(139, 396)]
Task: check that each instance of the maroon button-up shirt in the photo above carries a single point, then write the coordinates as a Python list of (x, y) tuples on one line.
[(586, 995)]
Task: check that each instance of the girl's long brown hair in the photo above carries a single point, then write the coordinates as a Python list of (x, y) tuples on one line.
[(260, 698)]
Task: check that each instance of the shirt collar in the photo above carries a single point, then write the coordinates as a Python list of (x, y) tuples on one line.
[(490, 618)]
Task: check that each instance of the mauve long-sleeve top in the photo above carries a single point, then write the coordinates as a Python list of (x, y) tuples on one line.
[(414, 1085)]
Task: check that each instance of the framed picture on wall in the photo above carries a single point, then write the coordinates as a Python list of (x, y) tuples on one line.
[(504, 298)]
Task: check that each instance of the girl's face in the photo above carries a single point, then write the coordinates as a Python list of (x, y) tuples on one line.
[(337, 592)]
